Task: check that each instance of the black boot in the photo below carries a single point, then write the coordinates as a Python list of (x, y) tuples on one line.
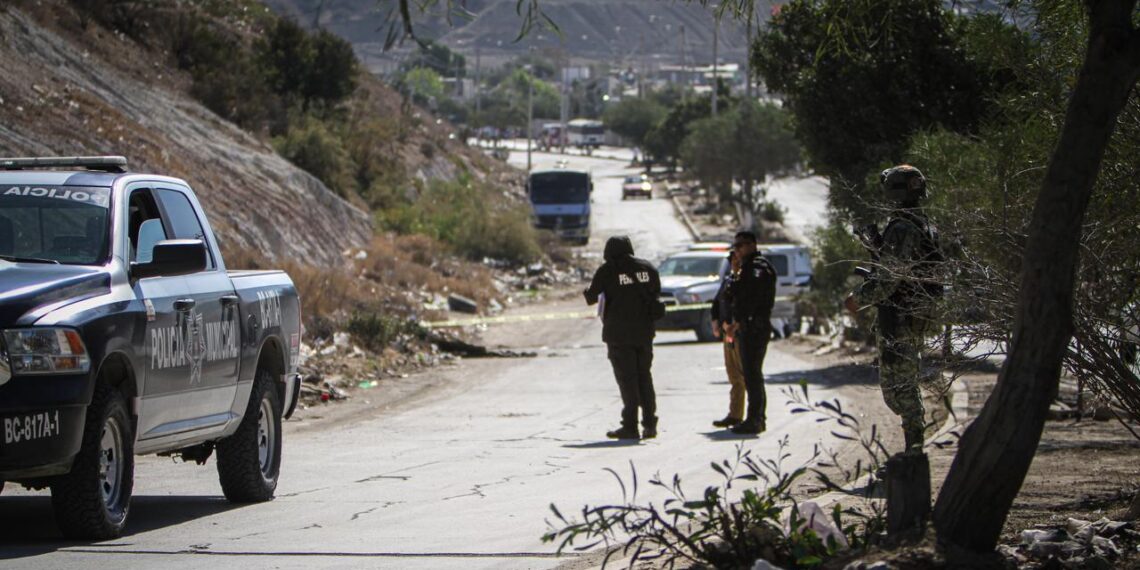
[(649, 430), (749, 427), (727, 422), (624, 433)]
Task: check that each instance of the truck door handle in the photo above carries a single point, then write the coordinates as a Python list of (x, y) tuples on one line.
[(183, 305), (228, 300)]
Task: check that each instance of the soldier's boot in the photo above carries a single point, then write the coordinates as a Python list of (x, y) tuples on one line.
[(649, 429)]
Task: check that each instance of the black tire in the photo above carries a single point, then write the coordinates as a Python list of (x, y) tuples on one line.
[(249, 461), (93, 500), (704, 328)]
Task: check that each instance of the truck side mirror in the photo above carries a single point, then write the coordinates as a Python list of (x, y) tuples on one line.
[(173, 257)]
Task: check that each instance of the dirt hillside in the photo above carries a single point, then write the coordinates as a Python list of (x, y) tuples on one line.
[(57, 98)]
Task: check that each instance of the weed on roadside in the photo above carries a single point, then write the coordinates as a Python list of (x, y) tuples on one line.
[(750, 514)]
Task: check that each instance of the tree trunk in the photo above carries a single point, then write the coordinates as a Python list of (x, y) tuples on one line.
[(997, 449), (908, 493)]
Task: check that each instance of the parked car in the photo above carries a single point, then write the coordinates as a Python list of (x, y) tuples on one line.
[(692, 278), (122, 333)]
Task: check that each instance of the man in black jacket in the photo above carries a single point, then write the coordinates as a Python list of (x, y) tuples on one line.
[(630, 287), (753, 295)]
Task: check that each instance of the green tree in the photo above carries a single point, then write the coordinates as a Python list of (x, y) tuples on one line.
[(439, 58), (634, 118), (423, 84), (307, 69), (746, 144), (863, 76), (663, 142), (332, 74)]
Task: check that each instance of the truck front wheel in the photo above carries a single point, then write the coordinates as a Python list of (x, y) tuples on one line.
[(92, 501), (704, 328), (249, 461)]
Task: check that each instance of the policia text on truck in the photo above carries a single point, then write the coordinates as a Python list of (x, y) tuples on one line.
[(122, 333)]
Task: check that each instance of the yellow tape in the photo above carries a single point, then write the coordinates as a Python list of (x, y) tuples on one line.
[(565, 315)]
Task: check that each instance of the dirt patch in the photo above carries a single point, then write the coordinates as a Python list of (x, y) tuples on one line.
[(1084, 469)]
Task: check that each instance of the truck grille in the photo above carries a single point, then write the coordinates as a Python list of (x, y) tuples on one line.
[(551, 222)]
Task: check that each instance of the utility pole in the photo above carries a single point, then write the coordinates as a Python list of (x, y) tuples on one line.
[(641, 73), (748, 59), (715, 74), (478, 85), (529, 116), (685, 57)]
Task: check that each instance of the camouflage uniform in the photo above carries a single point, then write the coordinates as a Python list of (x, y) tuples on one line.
[(900, 288)]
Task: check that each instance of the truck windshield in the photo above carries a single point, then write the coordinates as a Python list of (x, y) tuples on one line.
[(559, 188), (692, 266), (54, 224)]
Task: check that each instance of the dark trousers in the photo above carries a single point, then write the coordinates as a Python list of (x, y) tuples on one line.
[(631, 369), (753, 346)]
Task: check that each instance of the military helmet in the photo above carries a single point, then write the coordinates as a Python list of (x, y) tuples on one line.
[(903, 184)]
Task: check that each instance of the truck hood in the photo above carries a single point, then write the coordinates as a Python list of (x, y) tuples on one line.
[(673, 283), (25, 287), (560, 209)]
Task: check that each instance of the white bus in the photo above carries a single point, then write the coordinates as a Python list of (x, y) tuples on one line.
[(585, 133)]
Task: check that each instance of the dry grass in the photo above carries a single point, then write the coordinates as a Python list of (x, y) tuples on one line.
[(397, 275)]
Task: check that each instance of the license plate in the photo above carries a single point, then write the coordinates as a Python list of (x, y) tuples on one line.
[(30, 427)]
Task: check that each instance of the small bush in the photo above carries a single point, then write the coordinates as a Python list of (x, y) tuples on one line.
[(836, 253), (475, 220), (376, 331), (772, 212), (313, 147)]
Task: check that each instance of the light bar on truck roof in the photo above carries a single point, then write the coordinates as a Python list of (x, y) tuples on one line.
[(103, 163)]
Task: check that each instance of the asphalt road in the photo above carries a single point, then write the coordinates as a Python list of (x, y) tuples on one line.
[(461, 473)]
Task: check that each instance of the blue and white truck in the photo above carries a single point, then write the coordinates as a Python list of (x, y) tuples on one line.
[(122, 333), (560, 201)]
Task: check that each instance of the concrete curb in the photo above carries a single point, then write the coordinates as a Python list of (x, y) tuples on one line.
[(685, 219)]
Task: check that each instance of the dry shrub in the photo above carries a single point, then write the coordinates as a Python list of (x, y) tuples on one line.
[(395, 278)]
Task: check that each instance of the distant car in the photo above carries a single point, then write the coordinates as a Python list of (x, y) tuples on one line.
[(722, 246), (693, 278), (634, 186)]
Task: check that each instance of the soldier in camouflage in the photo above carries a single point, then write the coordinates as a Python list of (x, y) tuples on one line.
[(902, 287)]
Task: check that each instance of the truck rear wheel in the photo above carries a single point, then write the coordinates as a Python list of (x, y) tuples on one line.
[(249, 461), (92, 501)]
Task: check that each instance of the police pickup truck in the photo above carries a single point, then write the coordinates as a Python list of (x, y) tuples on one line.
[(122, 334)]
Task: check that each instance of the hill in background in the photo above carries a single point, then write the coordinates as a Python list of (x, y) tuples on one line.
[(625, 33)]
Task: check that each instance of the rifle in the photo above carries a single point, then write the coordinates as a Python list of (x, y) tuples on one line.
[(871, 240)]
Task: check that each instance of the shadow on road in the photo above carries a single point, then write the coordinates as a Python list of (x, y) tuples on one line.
[(830, 377), (604, 444), (27, 524), (665, 343), (727, 435)]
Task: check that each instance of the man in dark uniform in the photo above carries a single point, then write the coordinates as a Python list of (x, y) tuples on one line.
[(753, 295), (631, 288)]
